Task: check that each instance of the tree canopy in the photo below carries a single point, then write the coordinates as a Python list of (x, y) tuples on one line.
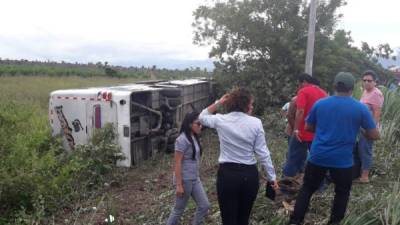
[(261, 44)]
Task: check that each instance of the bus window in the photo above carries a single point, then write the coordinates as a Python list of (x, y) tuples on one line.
[(97, 116)]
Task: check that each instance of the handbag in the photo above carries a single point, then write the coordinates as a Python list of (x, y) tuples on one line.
[(270, 191)]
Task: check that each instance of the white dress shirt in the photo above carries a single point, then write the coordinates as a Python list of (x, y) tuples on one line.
[(241, 137)]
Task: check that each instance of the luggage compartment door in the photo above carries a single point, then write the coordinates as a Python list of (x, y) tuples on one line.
[(98, 114)]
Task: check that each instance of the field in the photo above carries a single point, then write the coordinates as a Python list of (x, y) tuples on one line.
[(144, 195), (35, 90)]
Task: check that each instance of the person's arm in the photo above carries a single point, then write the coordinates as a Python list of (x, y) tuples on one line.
[(178, 173), (376, 104), (213, 107), (376, 114), (297, 121), (300, 104), (372, 134), (264, 156), (311, 119), (206, 116), (284, 109), (291, 115), (298, 118), (368, 124)]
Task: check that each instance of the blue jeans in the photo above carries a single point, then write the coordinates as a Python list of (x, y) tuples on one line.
[(365, 152), (296, 157)]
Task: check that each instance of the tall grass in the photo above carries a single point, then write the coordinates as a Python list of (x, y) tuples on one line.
[(37, 178), (390, 118), (383, 206), (357, 91), (384, 210), (34, 90)]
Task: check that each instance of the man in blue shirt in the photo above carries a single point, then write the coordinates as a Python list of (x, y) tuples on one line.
[(336, 121)]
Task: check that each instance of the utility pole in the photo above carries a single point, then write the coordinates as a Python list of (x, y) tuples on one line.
[(311, 37)]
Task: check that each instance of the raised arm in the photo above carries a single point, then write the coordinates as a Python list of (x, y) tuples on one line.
[(206, 116)]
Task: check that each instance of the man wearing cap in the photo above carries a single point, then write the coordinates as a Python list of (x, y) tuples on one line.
[(336, 121), (373, 98)]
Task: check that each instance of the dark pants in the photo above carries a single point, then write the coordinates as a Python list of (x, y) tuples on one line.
[(237, 188), (341, 177)]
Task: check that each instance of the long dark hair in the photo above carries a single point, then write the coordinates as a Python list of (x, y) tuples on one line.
[(186, 128)]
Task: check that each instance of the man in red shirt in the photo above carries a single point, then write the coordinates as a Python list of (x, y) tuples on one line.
[(301, 139)]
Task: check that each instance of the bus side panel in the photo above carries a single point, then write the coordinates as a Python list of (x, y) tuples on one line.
[(68, 119), (122, 100), (98, 114)]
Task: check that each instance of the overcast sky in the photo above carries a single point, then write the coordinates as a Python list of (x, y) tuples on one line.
[(372, 21), (144, 32)]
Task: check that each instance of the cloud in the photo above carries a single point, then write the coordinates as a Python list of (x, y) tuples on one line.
[(145, 31), (116, 53), (372, 22), (150, 31)]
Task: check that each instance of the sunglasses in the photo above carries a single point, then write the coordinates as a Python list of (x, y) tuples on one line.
[(369, 81), (197, 123)]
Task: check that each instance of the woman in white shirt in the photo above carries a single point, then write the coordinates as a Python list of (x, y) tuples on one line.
[(241, 138)]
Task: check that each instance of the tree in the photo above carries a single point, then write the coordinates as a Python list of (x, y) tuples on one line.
[(261, 44), (383, 51), (111, 72)]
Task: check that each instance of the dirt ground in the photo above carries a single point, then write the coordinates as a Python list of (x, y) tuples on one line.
[(145, 194)]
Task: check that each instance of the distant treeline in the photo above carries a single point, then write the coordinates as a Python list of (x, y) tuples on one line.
[(37, 68)]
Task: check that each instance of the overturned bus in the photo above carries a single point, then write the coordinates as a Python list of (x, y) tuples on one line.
[(146, 115)]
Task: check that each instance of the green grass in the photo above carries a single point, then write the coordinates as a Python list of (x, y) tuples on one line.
[(36, 177), (35, 90), (367, 203)]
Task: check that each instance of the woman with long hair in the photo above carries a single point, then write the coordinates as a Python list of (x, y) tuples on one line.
[(241, 138), (186, 171)]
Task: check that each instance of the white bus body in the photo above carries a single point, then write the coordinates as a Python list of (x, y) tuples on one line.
[(146, 115)]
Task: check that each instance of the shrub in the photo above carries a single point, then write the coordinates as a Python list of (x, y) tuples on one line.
[(383, 209), (390, 117), (98, 158), (37, 177)]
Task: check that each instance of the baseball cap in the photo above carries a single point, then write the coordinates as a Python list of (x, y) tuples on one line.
[(346, 78)]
